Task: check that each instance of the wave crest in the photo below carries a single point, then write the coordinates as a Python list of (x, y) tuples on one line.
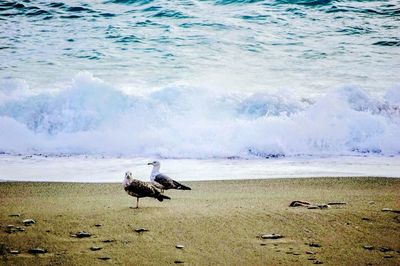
[(91, 117)]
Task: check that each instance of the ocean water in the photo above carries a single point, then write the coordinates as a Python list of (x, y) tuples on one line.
[(305, 46), (244, 81)]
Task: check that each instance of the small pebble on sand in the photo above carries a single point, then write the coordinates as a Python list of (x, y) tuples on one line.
[(28, 222), (271, 236), (385, 249), (315, 245), (37, 250), (82, 234), (141, 230)]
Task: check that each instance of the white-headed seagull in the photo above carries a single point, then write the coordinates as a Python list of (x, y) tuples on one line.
[(163, 181)]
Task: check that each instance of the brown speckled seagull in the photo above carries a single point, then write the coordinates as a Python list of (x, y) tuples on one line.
[(140, 189)]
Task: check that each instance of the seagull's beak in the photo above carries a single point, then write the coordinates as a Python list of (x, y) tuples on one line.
[(149, 163)]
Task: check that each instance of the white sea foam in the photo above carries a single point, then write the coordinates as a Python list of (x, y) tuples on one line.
[(92, 117), (84, 168)]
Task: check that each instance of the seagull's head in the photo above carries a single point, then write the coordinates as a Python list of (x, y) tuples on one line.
[(154, 163), (128, 175)]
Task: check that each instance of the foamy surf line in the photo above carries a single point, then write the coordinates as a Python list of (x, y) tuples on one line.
[(109, 169), (91, 117)]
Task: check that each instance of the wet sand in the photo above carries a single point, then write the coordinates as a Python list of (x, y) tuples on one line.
[(218, 223)]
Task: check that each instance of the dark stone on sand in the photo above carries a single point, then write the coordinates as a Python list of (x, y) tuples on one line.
[(337, 203), (385, 249), (104, 258), (319, 206), (98, 225), (14, 215), (13, 229), (388, 256), (108, 240), (95, 248), (311, 258), (289, 252), (141, 230), (37, 250), (310, 252), (368, 247), (263, 244), (318, 262), (365, 219), (178, 262), (82, 234), (10, 229), (314, 245), (299, 203), (271, 236), (28, 222), (390, 210)]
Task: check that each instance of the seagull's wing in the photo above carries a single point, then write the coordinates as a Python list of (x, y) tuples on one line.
[(169, 183), (165, 181), (140, 189)]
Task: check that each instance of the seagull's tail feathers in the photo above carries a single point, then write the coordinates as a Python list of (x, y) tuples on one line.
[(162, 197), (180, 186)]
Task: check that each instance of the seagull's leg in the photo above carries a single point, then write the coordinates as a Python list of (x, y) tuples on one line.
[(137, 203)]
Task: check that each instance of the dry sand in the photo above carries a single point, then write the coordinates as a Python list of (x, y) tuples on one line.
[(218, 223)]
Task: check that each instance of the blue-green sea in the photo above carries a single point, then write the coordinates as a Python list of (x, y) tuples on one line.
[(200, 79)]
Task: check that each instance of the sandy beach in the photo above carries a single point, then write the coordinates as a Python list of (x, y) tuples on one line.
[(217, 223)]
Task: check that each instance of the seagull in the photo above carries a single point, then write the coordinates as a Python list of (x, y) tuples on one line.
[(140, 189), (163, 181)]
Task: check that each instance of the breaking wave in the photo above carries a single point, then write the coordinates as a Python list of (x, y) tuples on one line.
[(92, 117)]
